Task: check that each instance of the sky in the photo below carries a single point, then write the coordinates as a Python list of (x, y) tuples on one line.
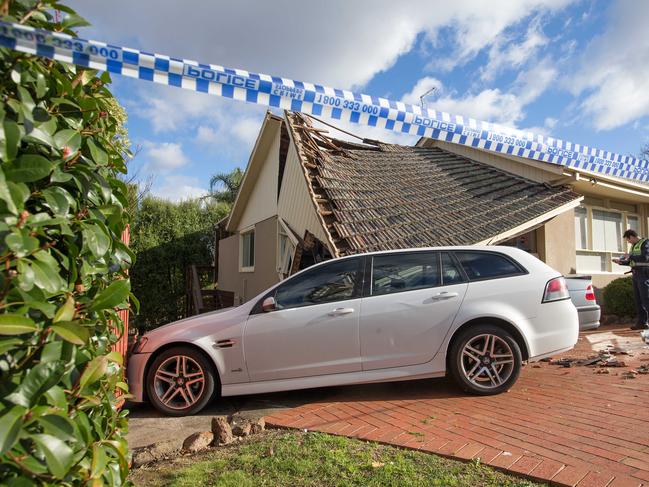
[(573, 69)]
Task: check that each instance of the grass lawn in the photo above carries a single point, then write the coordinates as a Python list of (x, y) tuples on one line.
[(290, 458)]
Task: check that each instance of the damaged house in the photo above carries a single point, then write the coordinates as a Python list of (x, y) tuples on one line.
[(307, 196)]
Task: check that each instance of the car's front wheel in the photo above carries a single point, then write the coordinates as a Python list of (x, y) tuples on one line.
[(180, 381), (485, 360)]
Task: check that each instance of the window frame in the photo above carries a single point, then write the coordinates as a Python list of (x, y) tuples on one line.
[(606, 255), (369, 289), (522, 270), (283, 230), (357, 291), (242, 234)]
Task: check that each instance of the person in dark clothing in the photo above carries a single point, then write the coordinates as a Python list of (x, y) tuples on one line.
[(638, 260)]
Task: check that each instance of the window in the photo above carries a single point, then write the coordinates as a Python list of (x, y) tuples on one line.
[(599, 226), (607, 231), (335, 281), (285, 249), (581, 227), (395, 273), (487, 265), (451, 274), (247, 251)]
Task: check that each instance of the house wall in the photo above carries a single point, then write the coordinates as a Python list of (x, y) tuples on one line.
[(247, 285), (555, 243), (295, 206), (262, 203)]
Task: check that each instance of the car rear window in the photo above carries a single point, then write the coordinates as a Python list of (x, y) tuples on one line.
[(487, 265)]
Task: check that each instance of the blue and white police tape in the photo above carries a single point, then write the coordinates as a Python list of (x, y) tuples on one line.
[(318, 100)]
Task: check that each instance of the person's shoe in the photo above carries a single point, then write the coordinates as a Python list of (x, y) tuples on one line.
[(640, 326)]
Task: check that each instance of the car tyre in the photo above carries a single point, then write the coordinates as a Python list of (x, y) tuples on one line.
[(485, 360), (180, 381)]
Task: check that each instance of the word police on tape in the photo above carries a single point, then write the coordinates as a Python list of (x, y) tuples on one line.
[(318, 100)]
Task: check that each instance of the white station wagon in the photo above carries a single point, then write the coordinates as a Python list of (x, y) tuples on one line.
[(475, 313)]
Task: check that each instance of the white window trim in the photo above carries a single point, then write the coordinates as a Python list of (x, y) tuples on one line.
[(282, 229), (608, 255), (243, 232)]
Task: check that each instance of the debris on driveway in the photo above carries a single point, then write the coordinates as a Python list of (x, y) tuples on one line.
[(605, 358)]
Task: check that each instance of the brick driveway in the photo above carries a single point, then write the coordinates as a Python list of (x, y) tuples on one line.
[(571, 426)]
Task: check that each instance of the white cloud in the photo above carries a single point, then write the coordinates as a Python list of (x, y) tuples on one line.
[(423, 85), (206, 135), (163, 156), (178, 188), (490, 104), (532, 83), (246, 128), (343, 44), (505, 52), (615, 68)]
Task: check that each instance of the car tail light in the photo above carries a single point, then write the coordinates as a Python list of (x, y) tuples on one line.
[(556, 290), (590, 295)]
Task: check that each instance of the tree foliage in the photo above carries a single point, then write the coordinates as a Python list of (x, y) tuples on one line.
[(167, 237), (62, 212), (224, 186), (618, 297)]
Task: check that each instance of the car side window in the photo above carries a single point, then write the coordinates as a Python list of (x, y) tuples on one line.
[(393, 273), (451, 273), (335, 281), (487, 265)]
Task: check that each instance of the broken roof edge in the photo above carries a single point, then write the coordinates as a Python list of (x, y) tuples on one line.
[(531, 224), (307, 165), (251, 173)]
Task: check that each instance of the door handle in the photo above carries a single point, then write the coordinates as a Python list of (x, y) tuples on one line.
[(341, 311), (444, 295)]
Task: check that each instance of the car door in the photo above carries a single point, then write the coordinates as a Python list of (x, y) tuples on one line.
[(314, 331), (409, 308)]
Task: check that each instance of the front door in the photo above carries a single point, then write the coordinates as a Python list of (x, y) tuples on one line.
[(413, 300), (314, 331)]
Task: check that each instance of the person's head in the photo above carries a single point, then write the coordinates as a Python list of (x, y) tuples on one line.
[(631, 236)]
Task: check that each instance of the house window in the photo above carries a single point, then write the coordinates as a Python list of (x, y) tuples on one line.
[(598, 234), (247, 250), (286, 243)]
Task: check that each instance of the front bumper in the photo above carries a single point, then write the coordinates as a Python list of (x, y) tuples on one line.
[(135, 375), (589, 317)]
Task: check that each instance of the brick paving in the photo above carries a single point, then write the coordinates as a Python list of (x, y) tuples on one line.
[(568, 426)]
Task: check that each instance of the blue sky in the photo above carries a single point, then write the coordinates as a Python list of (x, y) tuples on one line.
[(576, 70)]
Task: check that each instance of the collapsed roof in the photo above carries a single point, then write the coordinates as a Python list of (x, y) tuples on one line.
[(376, 196)]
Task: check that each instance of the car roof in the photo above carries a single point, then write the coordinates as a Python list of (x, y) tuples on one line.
[(490, 248)]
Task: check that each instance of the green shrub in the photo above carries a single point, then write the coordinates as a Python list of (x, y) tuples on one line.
[(166, 238), (63, 267), (618, 297)]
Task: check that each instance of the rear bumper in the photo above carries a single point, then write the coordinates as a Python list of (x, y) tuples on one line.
[(135, 374), (554, 329), (589, 317)]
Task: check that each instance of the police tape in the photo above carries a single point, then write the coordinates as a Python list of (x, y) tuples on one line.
[(318, 100)]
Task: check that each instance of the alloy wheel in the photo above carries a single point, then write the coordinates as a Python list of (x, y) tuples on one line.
[(487, 361), (179, 382)]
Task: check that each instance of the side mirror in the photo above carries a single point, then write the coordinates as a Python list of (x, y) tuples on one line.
[(269, 304)]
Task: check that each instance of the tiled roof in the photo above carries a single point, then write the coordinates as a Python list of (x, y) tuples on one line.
[(392, 196)]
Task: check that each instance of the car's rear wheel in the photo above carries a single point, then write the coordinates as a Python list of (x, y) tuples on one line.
[(180, 381), (485, 360)]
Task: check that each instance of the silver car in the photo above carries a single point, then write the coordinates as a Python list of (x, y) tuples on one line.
[(475, 313), (582, 295)]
